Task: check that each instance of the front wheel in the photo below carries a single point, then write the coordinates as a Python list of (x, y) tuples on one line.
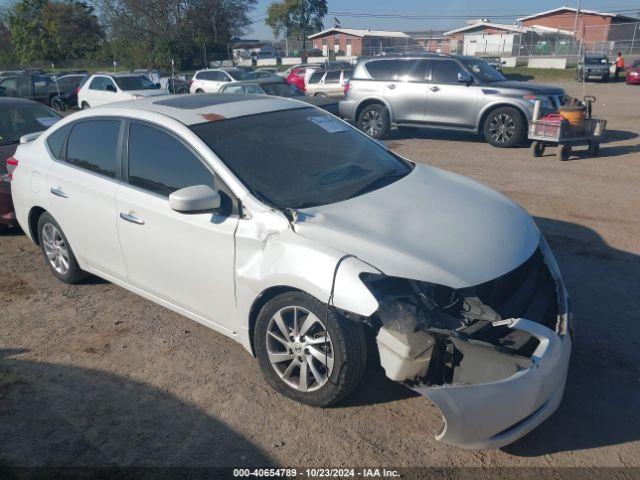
[(504, 127), (307, 355), (374, 121)]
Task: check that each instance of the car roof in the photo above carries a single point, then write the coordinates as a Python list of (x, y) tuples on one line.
[(260, 81), (15, 101), (191, 109)]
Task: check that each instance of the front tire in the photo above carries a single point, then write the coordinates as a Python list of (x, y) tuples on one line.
[(504, 127), (306, 355), (374, 120), (57, 251)]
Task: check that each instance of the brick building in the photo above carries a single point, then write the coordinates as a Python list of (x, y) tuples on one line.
[(590, 26), (355, 42)]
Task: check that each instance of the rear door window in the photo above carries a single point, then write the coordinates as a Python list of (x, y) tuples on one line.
[(445, 71), (332, 77), (93, 146), (162, 164)]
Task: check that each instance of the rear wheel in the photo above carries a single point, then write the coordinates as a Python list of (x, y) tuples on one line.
[(564, 152), (84, 106), (57, 251), (199, 90), (307, 355), (374, 121), (504, 127), (321, 95)]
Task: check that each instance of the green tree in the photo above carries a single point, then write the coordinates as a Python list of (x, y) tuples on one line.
[(27, 31), (296, 19), (72, 29), (7, 50)]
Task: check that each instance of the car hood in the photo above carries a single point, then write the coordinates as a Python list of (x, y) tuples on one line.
[(529, 87), (431, 225), (145, 93), (596, 66)]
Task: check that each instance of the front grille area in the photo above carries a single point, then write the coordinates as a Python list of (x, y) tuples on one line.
[(528, 292)]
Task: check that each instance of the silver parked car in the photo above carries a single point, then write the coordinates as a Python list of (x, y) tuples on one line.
[(443, 91)]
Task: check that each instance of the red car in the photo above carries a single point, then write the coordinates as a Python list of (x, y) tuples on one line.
[(633, 73), (18, 117), (298, 75)]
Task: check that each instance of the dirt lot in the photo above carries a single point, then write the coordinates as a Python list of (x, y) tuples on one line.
[(93, 375)]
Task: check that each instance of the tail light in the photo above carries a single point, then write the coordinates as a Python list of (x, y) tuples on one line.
[(12, 164), (347, 87)]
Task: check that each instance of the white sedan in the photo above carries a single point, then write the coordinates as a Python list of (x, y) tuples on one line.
[(103, 88), (284, 228)]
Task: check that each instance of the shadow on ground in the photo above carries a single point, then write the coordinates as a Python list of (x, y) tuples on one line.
[(62, 416), (600, 405)]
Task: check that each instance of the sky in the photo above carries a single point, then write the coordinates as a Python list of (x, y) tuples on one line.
[(495, 10)]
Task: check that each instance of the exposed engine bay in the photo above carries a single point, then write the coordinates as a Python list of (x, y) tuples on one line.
[(435, 335)]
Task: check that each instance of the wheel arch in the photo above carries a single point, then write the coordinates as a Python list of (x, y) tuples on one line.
[(373, 101), (494, 106), (259, 302), (34, 216)]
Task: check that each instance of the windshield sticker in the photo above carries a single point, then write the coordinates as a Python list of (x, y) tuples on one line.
[(329, 124), (46, 121)]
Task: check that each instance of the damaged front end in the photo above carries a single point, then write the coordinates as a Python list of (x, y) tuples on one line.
[(492, 357)]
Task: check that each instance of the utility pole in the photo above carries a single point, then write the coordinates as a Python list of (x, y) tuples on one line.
[(303, 27), (575, 28)]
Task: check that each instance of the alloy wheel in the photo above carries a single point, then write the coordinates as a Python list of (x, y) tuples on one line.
[(372, 122), (55, 248), (300, 348), (502, 127)]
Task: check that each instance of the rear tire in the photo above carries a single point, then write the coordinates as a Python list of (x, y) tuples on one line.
[(564, 152), (84, 106), (332, 349), (321, 95), (57, 252), (374, 120), (199, 90), (504, 127), (537, 149)]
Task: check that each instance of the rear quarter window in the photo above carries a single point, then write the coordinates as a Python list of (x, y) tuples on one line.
[(56, 140)]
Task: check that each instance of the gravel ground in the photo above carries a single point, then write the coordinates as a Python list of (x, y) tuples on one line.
[(93, 375)]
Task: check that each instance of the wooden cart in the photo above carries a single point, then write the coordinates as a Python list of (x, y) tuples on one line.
[(566, 136)]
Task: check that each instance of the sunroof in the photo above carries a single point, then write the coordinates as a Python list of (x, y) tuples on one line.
[(200, 100)]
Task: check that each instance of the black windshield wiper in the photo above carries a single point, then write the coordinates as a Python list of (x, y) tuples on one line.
[(379, 182)]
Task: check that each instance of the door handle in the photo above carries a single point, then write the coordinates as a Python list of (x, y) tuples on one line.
[(131, 218), (58, 192), (392, 86), (434, 89)]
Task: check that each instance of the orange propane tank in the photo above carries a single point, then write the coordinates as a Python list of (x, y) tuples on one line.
[(575, 115)]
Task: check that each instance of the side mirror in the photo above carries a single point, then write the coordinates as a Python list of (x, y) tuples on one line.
[(110, 88), (464, 77), (199, 198)]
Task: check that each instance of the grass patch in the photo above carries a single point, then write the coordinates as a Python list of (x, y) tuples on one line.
[(539, 74)]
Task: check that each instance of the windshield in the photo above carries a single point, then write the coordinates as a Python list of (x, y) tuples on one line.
[(483, 71), (281, 89), (19, 120), (137, 82), (237, 74), (596, 60), (301, 158)]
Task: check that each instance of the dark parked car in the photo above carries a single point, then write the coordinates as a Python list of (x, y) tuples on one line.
[(65, 90), (31, 86), (279, 88), (18, 117), (593, 66)]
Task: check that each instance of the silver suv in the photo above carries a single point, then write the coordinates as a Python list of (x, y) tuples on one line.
[(443, 91)]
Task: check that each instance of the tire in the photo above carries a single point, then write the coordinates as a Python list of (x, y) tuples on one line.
[(199, 90), (594, 148), (514, 130), (183, 90), (564, 152), (56, 103), (321, 95), (537, 149), (84, 106), (337, 338), (374, 121), (52, 242)]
